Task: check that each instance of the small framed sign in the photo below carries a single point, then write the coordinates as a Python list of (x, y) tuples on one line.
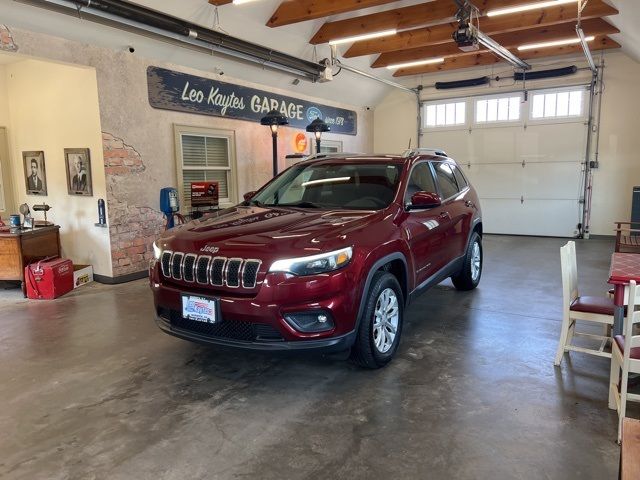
[(78, 167)]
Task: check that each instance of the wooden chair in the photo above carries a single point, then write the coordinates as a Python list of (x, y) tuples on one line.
[(627, 238), (580, 308), (625, 359)]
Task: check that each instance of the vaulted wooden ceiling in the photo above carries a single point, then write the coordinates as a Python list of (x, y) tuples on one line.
[(423, 30)]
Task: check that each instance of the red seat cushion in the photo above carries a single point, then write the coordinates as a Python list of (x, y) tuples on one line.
[(599, 305), (635, 352)]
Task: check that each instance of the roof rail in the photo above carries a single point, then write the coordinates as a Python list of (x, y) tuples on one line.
[(429, 151), (316, 156)]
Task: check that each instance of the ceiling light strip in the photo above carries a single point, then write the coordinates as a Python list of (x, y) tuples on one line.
[(554, 43), (428, 61), (366, 36), (527, 7)]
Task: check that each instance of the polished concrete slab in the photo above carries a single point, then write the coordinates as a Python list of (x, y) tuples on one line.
[(91, 389)]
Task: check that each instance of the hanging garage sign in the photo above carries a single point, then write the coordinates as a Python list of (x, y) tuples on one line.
[(171, 90)]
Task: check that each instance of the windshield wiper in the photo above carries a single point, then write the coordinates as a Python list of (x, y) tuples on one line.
[(300, 205), (257, 203)]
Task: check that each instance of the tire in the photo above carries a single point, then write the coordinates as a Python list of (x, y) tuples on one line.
[(371, 350), (468, 277)]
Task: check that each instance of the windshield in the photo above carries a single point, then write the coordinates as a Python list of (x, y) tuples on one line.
[(356, 186)]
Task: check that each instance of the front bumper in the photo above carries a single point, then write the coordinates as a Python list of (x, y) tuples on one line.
[(327, 345)]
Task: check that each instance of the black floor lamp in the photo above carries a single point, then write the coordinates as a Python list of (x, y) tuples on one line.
[(274, 119), (318, 127)]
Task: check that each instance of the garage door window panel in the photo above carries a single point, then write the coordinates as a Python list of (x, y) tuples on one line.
[(496, 110), (556, 105), (444, 115)]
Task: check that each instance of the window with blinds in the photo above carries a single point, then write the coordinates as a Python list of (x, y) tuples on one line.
[(205, 158)]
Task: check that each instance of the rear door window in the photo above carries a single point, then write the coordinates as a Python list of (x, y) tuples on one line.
[(462, 182), (421, 180), (446, 179)]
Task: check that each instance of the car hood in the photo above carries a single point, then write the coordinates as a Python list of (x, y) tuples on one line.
[(268, 232)]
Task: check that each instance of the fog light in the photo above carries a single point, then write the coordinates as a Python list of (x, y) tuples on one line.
[(310, 322)]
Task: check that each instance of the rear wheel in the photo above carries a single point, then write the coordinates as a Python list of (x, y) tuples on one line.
[(381, 323), (469, 276)]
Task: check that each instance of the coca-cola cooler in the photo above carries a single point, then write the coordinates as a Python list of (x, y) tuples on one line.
[(49, 279)]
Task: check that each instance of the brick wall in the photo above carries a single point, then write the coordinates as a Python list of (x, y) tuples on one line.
[(6, 40), (132, 228)]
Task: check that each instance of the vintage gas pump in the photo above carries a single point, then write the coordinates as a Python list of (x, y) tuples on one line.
[(170, 205)]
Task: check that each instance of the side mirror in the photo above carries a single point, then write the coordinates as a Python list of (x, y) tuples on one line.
[(420, 200), (249, 195)]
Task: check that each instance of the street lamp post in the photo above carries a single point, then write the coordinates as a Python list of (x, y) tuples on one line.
[(273, 120), (318, 127)]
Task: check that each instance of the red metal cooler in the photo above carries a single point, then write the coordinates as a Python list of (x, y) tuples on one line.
[(49, 279)]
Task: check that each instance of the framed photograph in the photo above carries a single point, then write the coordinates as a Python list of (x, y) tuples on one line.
[(78, 166), (35, 175)]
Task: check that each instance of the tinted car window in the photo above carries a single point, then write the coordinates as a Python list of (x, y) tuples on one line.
[(446, 180), (462, 182), (421, 180), (358, 186)]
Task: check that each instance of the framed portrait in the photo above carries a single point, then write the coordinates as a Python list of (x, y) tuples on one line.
[(78, 167), (35, 174)]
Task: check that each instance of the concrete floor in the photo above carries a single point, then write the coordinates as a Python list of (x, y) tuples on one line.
[(90, 388)]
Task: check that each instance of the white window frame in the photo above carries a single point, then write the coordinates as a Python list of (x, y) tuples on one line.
[(498, 123), (229, 135), (564, 119), (458, 126)]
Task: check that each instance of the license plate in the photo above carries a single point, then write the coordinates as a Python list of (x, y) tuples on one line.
[(199, 309)]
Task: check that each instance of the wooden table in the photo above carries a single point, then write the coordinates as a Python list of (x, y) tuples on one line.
[(19, 249), (629, 455), (624, 268)]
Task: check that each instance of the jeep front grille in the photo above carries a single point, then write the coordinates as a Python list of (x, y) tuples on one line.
[(207, 270)]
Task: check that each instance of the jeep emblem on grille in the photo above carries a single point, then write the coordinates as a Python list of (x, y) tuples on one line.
[(210, 249)]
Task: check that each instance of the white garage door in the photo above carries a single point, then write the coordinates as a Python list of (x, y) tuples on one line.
[(524, 158)]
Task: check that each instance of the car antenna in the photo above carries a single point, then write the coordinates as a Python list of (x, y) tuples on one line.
[(409, 147)]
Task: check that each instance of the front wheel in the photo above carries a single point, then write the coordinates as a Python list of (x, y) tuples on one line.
[(469, 276), (381, 323)]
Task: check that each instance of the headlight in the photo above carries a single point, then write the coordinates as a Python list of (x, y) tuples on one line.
[(157, 251), (321, 263)]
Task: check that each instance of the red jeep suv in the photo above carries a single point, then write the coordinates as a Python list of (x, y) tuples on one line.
[(327, 255)]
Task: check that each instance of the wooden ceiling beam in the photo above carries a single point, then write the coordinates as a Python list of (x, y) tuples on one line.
[(593, 26), (294, 11), (480, 59), (438, 34), (414, 16), (218, 3)]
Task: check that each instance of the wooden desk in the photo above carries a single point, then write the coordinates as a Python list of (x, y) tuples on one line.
[(17, 250)]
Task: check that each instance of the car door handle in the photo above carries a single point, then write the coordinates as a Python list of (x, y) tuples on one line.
[(444, 215)]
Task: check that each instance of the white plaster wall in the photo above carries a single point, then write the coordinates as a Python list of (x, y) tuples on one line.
[(619, 145), (53, 107), (4, 98), (395, 121)]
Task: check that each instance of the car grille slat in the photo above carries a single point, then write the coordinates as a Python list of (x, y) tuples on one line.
[(233, 272), (217, 271), (205, 270), (188, 268), (176, 265), (202, 269), (165, 263), (250, 273)]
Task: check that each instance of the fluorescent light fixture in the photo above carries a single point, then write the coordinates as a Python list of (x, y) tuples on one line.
[(428, 61), (554, 43), (527, 7), (240, 2), (366, 36)]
